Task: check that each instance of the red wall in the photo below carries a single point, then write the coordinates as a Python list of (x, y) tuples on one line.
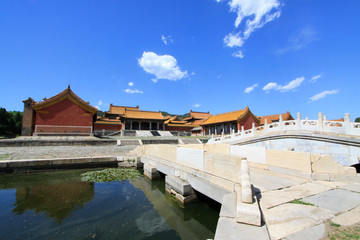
[(109, 127), (64, 113), (178, 128), (247, 122)]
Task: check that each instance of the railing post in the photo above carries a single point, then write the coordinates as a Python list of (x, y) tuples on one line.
[(266, 126), (298, 121), (320, 122), (253, 128), (347, 123), (246, 191), (281, 123), (242, 132)]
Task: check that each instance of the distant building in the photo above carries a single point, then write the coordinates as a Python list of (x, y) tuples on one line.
[(187, 124), (230, 121), (130, 118), (62, 114), (275, 118)]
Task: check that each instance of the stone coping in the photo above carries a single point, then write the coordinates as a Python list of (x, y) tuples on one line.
[(28, 164), (316, 136)]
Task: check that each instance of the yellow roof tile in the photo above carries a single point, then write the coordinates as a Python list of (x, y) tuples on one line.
[(66, 94), (138, 114), (286, 116), (229, 116)]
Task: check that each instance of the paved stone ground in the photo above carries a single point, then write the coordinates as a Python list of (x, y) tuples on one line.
[(42, 152), (338, 202)]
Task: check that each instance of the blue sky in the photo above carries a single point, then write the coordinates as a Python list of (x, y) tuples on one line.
[(206, 55)]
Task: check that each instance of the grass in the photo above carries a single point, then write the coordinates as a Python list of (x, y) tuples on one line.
[(348, 233), (297, 201), (4, 156), (110, 175), (334, 224)]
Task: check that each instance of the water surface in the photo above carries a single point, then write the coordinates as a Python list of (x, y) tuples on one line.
[(58, 205)]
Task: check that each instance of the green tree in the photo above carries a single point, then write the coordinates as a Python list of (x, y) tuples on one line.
[(4, 121), (357, 119), (10, 122)]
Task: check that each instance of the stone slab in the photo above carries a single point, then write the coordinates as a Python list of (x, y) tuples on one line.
[(355, 187), (229, 229), (72, 161), (290, 218), (179, 185), (277, 197), (247, 213), (336, 200), (214, 192), (344, 178), (348, 218), (150, 169), (104, 159), (292, 172), (228, 207), (252, 153), (314, 233), (186, 199), (331, 184), (266, 181), (191, 157)]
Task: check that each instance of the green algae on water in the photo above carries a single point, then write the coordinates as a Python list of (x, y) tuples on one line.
[(111, 174)]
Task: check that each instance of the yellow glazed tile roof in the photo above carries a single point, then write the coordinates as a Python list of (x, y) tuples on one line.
[(66, 94), (229, 116), (199, 115), (120, 109), (138, 114), (286, 116)]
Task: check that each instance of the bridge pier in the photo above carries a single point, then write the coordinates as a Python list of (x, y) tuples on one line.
[(180, 188), (150, 171)]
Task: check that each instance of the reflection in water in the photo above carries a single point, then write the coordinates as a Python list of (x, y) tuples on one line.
[(194, 221), (56, 201), (57, 205)]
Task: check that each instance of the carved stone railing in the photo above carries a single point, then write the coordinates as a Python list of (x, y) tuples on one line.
[(320, 125)]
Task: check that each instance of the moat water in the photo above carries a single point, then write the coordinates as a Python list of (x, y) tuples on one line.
[(58, 205)]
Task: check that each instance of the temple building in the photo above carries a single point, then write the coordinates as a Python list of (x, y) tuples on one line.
[(188, 124), (130, 118), (62, 114), (230, 122), (275, 118)]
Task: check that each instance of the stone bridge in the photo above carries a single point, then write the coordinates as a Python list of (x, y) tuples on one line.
[(338, 139), (237, 176)]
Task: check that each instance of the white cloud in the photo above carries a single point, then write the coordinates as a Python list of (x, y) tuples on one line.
[(315, 78), (270, 86), (131, 91), (99, 104), (299, 40), (290, 86), (238, 54), (197, 105), (166, 39), (162, 66), (233, 40), (322, 95), (251, 88), (256, 13), (130, 84)]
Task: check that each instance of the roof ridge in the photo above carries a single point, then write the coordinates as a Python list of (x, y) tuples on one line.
[(143, 111), (229, 112)]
